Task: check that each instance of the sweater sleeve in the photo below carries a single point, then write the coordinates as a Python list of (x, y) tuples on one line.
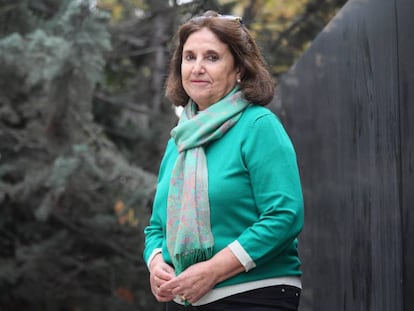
[(153, 236), (153, 239), (154, 232), (271, 161)]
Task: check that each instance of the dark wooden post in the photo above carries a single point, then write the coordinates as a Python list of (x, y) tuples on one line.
[(405, 11), (348, 103)]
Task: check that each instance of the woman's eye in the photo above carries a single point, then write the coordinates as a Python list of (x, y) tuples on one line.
[(189, 57), (212, 58)]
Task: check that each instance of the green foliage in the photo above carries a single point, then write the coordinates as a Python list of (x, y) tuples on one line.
[(285, 30), (46, 55), (72, 208), (74, 40), (86, 31), (70, 235)]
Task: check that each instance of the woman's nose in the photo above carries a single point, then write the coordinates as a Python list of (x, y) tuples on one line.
[(198, 67)]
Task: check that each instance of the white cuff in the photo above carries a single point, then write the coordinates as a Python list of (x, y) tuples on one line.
[(242, 255), (154, 252)]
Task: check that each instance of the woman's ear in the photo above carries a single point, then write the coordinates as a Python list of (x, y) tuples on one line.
[(240, 74)]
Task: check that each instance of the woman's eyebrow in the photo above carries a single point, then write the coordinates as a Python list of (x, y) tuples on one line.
[(207, 52)]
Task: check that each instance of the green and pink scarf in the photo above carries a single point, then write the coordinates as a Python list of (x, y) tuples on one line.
[(189, 237)]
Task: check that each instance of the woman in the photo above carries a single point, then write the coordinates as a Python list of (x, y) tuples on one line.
[(228, 206)]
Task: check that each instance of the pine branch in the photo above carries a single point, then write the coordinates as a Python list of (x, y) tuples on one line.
[(92, 237), (309, 10)]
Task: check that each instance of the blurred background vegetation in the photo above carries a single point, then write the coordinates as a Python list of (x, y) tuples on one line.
[(83, 124)]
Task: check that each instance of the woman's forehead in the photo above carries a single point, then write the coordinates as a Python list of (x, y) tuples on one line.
[(204, 38)]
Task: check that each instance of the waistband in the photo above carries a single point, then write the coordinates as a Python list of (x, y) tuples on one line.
[(222, 292)]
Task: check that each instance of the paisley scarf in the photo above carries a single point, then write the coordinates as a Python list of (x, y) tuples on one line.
[(189, 237)]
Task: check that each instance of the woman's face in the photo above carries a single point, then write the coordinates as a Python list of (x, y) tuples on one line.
[(208, 70)]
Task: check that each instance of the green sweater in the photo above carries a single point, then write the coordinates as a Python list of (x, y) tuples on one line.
[(255, 196)]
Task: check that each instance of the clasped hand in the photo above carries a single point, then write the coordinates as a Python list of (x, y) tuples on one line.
[(190, 285)]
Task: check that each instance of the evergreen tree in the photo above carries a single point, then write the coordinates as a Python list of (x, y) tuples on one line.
[(72, 208)]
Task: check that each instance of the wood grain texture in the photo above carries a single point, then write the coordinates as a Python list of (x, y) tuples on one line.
[(347, 105), (404, 13)]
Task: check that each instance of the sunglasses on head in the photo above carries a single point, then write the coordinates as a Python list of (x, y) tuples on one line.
[(228, 17)]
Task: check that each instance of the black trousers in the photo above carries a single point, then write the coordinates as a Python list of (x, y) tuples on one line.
[(272, 298)]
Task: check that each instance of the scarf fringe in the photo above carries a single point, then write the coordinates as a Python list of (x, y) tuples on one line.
[(189, 257)]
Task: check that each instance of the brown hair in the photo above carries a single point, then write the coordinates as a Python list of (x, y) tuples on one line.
[(256, 82)]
